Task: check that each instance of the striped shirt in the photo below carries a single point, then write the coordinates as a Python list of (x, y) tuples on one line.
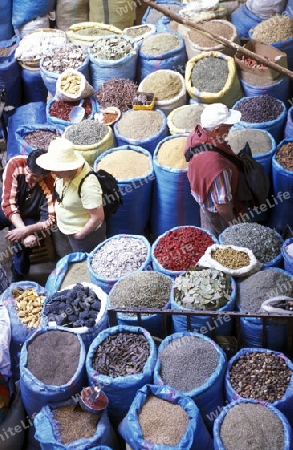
[(220, 191)]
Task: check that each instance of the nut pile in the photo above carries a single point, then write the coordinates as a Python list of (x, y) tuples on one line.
[(73, 308), (28, 306), (260, 376), (111, 48), (69, 56), (230, 257), (121, 354), (70, 83), (284, 156)]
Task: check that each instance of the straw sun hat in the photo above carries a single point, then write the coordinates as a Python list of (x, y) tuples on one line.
[(61, 156)]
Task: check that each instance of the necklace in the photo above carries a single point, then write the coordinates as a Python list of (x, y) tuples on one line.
[(59, 198)]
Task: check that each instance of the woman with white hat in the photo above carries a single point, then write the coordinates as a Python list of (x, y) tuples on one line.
[(80, 219)]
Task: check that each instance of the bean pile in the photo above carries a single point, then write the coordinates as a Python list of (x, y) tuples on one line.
[(159, 43), (73, 308), (209, 74), (170, 153), (74, 423), (214, 26), (28, 306), (154, 15), (117, 92), (61, 109), (61, 58), (262, 108), (77, 272), (264, 243), (162, 422), (141, 290), (187, 117), (284, 156), (140, 125), (123, 164), (261, 286), (164, 84), (53, 356), (230, 257), (249, 425), (87, 132), (121, 354), (275, 29), (260, 376), (259, 141), (111, 48), (181, 249), (118, 257), (188, 362), (202, 289), (40, 138)]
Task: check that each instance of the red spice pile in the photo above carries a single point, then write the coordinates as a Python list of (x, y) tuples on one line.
[(61, 109), (181, 249)]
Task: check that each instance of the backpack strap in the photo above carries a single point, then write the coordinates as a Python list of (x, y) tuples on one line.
[(91, 172)]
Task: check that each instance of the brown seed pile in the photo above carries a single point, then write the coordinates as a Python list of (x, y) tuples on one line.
[(123, 164), (274, 29), (162, 422), (216, 27), (163, 83), (121, 354), (284, 156), (76, 273), (140, 125), (40, 138), (117, 92), (74, 423), (159, 43), (230, 257), (260, 376), (170, 153)]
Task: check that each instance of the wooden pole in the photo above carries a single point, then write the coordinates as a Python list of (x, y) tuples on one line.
[(220, 39)]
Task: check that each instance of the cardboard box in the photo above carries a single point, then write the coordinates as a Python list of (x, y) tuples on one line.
[(269, 52)]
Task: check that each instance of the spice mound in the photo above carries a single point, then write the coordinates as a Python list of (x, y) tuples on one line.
[(165, 84), (214, 26), (87, 132), (249, 425), (262, 108), (122, 354), (72, 423), (53, 357), (160, 43), (187, 117), (40, 138), (284, 156), (73, 308), (111, 48), (209, 74), (69, 56), (190, 367), (170, 153), (202, 289), (162, 422), (260, 376), (77, 272), (123, 164), (61, 109), (140, 125), (275, 29), (117, 92), (259, 141), (181, 249), (230, 257), (141, 290), (28, 306)]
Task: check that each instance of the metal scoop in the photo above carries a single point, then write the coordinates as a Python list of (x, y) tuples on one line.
[(77, 113), (88, 398)]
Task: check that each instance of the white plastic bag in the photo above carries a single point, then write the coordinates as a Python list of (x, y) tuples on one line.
[(207, 261), (84, 88), (271, 305), (266, 9)]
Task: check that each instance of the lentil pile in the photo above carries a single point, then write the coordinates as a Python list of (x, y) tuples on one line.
[(61, 58), (250, 425), (28, 305), (188, 362), (140, 125), (170, 153), (73, 423), (230, 257), (264, 243), (262, 108), (284, 156), (159, 43), (118, 257), (123, 164), (260, 376), (261, 286), (40, 138), (61, 109), (142, 290), (162, 422), (87, 132), (215, 27), (53, 357), (76, 273), (121, 354), (164, 84), (202, 289), (187, 117), (111, 48), (181, 249), (209, 74), (275, 29), (259, 141), (117, 92)]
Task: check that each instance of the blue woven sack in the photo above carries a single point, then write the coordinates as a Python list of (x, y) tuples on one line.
[(6, 28), (62, 124), (288, 132), (21, 132), (244, 20), (56, 277), (34, 89), (288, 259), (279, 89), (32, 10)]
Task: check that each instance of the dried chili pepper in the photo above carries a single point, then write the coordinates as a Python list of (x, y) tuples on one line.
[(61, 109)]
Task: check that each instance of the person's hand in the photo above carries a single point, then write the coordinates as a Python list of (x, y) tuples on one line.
[(79, 235), (48, 223), (31, 241), (17, 234)]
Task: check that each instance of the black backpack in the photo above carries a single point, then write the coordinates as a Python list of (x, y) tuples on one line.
[(112, 197)]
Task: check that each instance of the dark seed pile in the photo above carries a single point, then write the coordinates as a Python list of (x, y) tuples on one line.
[(210, 74), (259, 109), (40, 138)]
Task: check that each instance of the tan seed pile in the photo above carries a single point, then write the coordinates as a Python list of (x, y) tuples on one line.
[(164, 84), (274, 29), (73, 423), (77, 273), (123, 164), (170, 153), (140, 125), (230, 257), (162, 422), (159, 43), (28, 306), (215, 27)]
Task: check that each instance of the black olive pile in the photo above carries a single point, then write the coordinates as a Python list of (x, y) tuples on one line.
[(73, 308)]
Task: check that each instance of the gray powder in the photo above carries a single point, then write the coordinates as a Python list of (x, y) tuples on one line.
[(187, 117), (188, 362), (261, 286), (258, 140)]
